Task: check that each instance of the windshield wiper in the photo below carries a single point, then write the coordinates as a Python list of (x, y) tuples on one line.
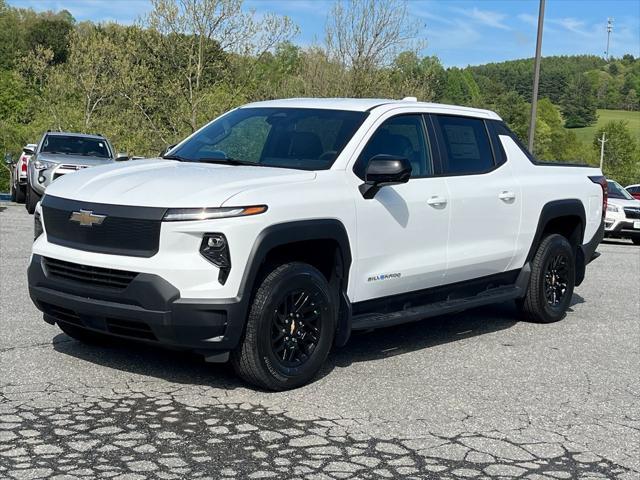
[(176, 157), (228, 161)]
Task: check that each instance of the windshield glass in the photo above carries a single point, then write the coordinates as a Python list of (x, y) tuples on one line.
[(301, 138), (71, 145), (616, 191)]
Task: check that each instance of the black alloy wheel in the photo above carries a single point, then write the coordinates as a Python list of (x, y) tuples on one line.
[(556, 279), (296, 326)]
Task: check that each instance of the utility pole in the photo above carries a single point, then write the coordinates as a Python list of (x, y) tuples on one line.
[(536, 77), (602, 142), (609, 30)]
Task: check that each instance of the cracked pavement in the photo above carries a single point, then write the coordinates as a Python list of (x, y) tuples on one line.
[(472, 395)]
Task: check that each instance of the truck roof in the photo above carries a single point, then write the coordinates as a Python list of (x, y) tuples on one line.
[(367, 104)]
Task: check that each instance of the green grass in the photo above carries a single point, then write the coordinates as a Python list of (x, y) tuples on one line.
[(586, 134)]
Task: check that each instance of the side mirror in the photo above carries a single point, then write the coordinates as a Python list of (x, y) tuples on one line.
[(121, 157), (167, 149), (28, 151), (8, 159), (382, 171)]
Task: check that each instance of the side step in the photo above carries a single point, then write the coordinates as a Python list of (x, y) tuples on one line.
[(367, 321)]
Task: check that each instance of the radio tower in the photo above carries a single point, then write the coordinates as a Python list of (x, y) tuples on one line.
[(609, 30)]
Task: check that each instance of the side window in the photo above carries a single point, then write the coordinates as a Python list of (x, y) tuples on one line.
[(467, 149), (403, 136)]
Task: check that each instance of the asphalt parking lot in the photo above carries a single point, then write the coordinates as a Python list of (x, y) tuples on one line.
[(472, 395)]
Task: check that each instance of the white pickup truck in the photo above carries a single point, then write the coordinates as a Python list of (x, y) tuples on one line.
[(274, 231)]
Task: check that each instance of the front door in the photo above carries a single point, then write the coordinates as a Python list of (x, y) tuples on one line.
[(402, 231)]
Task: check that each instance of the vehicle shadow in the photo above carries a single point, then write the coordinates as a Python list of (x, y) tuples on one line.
[(187, 368)]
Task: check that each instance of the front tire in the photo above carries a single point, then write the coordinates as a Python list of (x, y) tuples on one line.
[(32, 199), (289, 331), (550, 289)]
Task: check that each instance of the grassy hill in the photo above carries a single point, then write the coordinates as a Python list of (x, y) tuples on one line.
[(586, 134)]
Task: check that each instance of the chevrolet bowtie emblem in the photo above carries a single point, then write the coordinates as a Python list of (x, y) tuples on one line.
[(87, 218)]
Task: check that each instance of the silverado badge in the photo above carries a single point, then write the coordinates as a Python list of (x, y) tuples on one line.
[(87, 218)]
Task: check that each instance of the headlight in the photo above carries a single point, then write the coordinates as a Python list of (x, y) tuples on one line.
[(612, 208), (44, 164), (180, 214)]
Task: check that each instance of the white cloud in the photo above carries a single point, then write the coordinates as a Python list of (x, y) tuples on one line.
[(486, 17)]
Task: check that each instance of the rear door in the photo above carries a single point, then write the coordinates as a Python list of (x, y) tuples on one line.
[(484, 199), (402, 231)]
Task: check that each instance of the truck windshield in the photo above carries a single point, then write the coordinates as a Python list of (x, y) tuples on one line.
[(300, 138), (616, 191), (72, 145)]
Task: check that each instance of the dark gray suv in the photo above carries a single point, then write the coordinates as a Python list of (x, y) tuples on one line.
[(60, 153)]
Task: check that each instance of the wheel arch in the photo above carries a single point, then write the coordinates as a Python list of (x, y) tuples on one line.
[(317, 242), (565, 217)]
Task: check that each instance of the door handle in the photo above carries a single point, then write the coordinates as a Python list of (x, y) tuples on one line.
[(437, 201), (507, 196)]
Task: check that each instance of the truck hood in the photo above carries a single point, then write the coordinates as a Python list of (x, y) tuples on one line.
[(169, 184), (74, 159), (621, 202)]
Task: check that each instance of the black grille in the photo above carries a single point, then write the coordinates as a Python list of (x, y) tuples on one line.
[(130, 231), (94, 276), (62, 314), (631, 212), (130, 328)]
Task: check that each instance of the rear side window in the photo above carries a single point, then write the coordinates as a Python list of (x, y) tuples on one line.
[(466, 148)]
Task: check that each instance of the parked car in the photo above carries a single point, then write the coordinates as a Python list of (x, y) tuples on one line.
[(60, 153), (277, 229), (634, 190), (623, 214), (18, 182)]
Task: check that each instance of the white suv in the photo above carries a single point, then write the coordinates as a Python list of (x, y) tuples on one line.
[(278, 228), (623, 214)]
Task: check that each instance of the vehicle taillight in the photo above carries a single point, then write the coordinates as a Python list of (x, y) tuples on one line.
[(600, 179), (23, 168)]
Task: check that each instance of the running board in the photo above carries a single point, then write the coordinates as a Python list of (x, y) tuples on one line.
[(368, 321)]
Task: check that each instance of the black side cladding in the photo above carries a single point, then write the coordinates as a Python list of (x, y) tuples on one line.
[(125, 230)]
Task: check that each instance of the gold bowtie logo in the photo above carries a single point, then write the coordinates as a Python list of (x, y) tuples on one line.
[(86, 218)]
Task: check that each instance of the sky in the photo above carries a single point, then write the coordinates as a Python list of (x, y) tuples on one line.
[(459, 32)]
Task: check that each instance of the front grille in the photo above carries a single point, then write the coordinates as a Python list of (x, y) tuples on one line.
[(87, 275), (632, 212), (62, 314), (130, 328), (129, 231)]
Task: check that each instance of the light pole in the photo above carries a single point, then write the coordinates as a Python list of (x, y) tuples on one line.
[(536, 77), (602, 142)]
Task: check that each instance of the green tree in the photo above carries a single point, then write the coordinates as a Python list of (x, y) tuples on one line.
[(578, 103), (621, 152)]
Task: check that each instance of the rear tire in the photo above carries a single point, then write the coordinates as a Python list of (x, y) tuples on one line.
[(12, 191), (20, 194), (32, 199), (289, 331), (552, 281), (83, 335)]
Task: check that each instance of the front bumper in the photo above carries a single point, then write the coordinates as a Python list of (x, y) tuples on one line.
[(149, 309), (622, 229)]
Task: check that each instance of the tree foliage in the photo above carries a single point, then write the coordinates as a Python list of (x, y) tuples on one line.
[(621, 152)]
